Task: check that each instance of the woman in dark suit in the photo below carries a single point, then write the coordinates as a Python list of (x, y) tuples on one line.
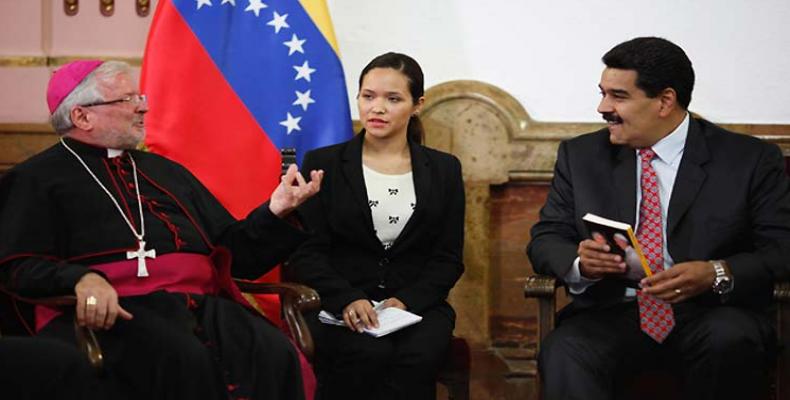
[(389, 227)]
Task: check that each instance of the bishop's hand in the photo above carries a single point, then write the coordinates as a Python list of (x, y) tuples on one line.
[(293, 190), (97, 303)]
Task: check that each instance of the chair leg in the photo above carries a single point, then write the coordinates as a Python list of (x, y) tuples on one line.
[(782, 373), (457, 389)]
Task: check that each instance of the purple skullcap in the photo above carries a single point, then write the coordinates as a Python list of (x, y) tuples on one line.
[(66, 78)]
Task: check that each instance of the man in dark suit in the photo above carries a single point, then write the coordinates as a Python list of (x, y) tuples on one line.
[(712, 214)]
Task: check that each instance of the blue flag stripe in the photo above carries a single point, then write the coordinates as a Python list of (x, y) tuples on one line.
[(257, 65)]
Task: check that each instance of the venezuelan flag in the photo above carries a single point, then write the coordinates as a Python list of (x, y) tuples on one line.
[(231, 82)]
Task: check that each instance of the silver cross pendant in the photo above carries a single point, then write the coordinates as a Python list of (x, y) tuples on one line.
[(141, 255)]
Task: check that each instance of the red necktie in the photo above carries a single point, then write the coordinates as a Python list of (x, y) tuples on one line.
[(655, 316)]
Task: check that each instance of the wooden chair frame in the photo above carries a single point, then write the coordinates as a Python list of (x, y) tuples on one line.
[(296, 299), (544, 289)]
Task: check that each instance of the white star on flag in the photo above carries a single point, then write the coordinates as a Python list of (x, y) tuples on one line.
[(303, 71), (278, 22), (232, 2), (201, 3), (295, 45), (291, 123), (255, 6), (303, 99)]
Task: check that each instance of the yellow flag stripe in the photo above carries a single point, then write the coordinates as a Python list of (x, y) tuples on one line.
[(319, 13)]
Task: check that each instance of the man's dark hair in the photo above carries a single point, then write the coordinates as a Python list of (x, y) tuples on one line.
[(659, 64)]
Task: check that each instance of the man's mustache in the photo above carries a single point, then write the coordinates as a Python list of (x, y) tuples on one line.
[(612, 117)]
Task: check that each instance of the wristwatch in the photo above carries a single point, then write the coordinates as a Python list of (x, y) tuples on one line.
[(723, 282)]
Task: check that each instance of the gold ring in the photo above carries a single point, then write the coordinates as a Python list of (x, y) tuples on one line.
[(678, 291), (91, 301)]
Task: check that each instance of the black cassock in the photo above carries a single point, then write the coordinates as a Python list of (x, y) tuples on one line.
[(56, 222)]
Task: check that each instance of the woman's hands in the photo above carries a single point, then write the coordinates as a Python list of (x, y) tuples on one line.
[(360, 314)]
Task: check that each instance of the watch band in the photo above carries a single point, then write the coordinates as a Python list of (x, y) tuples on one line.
[(723, 281), (718, 267)]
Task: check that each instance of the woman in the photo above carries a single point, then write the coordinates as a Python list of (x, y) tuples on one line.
[(389, 225)]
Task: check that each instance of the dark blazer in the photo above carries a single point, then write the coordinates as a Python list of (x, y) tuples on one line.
[(345, 261), (731, 201)]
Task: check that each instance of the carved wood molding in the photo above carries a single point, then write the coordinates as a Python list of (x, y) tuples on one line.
[(20, 141), (106, 7), (56, 61), (6, 128), (522, 126), (71, 7), (529, 151)]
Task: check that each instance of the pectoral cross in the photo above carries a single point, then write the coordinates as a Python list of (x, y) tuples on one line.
[(141, 254)]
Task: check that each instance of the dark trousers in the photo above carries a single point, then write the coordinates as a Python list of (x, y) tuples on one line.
[(179, 346), (719, 352), (401, 365), (36, 368)]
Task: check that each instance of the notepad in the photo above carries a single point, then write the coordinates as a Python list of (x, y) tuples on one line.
[(391, 319)]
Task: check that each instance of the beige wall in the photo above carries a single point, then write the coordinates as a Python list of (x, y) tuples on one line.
[(36, 35), (546, 54)]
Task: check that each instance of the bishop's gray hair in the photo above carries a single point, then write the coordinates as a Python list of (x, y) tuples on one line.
[(86, 92)]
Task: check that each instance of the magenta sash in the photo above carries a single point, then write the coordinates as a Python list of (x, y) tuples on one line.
[(174, 272)]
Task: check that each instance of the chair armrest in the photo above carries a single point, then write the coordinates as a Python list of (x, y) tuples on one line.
[(782, 299), (296, 299), (86, 339), (540, 286), (782, 292), (543, 288)]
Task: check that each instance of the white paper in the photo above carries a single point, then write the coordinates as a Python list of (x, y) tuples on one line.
[(391, 319)]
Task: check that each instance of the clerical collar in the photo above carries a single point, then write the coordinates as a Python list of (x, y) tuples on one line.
[(86, 148)]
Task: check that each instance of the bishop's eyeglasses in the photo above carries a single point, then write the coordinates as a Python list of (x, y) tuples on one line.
[(135, 99)]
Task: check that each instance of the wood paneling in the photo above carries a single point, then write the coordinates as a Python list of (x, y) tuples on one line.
[(19, 142)]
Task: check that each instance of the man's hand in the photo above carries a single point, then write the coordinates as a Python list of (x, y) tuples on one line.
[(97, 303), (682, 281), (595, 261), (293, 190), (359, 315)]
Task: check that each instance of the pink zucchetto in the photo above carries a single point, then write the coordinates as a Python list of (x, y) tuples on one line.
[(66, 78)]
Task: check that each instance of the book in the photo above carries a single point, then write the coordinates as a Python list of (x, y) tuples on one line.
[(622, 241), (391, 319)]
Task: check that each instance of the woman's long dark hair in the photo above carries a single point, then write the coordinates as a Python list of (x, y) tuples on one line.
[(408, 67)]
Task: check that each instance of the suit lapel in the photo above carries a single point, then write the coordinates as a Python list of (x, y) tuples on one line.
[(421, 174), (352, 172), (624, 181), (690, 176)]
